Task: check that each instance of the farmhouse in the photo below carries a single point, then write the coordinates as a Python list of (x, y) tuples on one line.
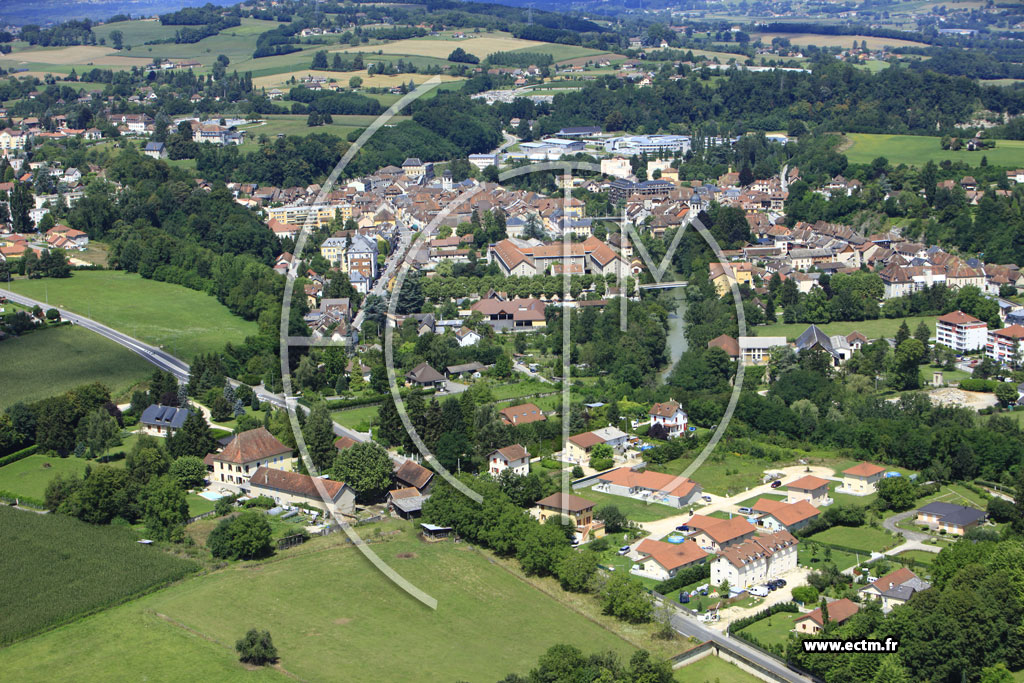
[(838, 612), (292, 488), (895, 588), (158, 420), (717, 534), (810, 488), (660, 561), (670, 416), (779, 516), (580, 512), (411, 473), (246, 453), (650, 486), (953, 519), (406, 502), (861, 479), (755, 560), (513, 457), (524, 413)]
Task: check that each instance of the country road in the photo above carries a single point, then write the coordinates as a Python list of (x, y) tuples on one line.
[(161, 358)]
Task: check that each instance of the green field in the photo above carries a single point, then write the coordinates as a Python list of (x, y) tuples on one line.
[(840, 558), (722, 473), (182, 321), (561, 53), (916, 150), (356, 418), (920, 557), (197, 505), (521, 388), (711, 669), (289, 124), (872, 329), (135, 32), (332, 616), (772, 630), (51, 361), (634, 509), (55, 568), (29, 476), (863, 538)]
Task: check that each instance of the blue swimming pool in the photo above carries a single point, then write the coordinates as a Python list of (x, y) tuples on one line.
[(211, 495)]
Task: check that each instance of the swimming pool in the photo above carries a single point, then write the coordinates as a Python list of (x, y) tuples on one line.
[(211, 495)]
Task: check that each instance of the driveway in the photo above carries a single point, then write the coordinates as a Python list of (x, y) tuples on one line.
[(890, 524), (796, 577)]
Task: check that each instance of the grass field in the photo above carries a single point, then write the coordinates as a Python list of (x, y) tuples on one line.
[(374, 81), (917, 150), (29, 476), (772, 630), (920, 557), (183, 321), (76, 55), (289, 124), (711, 669), (634, 509), (441, 47), (722, 473), (861, 537), (836, 41), (356, 418), (135, 32), (326, 608), (197, 505), (563, 53), (55, 567), (521, 388), (51, 361), (840, 558), (872, 329)]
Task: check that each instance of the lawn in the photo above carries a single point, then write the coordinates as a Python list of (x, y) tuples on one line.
[(722, 473), (180, 320), (863, 538), (55, 568), (920, 557), (51, 361), (332, 616), (634, 509), (522, 388), (772, 630), (872, 329), (197, 505), (916, 150), (29, 476), (840, 558), (847, 499), (356, 418), (711, 669), (956, 494)]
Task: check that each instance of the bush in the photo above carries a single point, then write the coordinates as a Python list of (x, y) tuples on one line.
[(613, 518), (626, 599), (256, 648), (685, 578), (806, 594), (262, 502), (601, 464), (244, 537)]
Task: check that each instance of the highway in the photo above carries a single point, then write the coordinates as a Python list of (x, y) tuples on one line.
[(161, 358)]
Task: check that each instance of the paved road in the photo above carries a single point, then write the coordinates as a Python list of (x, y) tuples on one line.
[(890, 524), (519, 367), (161, 358)]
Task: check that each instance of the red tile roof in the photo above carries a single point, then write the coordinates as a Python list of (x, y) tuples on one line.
[(808, 483), (838, 612), (586, 440), (671, 555), (788, 514), (255, 444), (294, 483), (864, 469), (958, 318), (522, 414), (413, 474), (652, 481), (667, 409)]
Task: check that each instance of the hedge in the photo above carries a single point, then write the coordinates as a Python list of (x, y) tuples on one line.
[(978, 384), (740, 624), (343, 403), (23, 500), (685, 578), (18, 455)]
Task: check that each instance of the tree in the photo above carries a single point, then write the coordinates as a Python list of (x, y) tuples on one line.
[(503, 366), (1006, 392), (909, 355), (903, 333), (98, 431), (256, 648), (540, 547), (613, 518), (576, 570), (602, 456), (117, 39), (897, 493), (367, 468), (165, 509), (355, 83), (626, 599), (189, 471), (194, 439), (319, 60), (923, 334), (460, 55), (244, 537), (147, 460), (318, 433)]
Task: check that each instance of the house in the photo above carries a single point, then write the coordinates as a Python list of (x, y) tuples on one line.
[(579, 446), (1003, 345), (757, 350), (473, 368), (580, 512), (649, 486), (961, 332), (160, 420), (724, 275), (776, 515), (343, 443), (411, 473), (521, 315), (810, 488), (157, 150), (425, 376), (361, 257), (895, 588), (414, 168), (715, 534), (521, 414), (482, 161), (292, 488), (755, 560), (861, 479), (671, 418), (513, 457), (953, 519), (246, 453), (838, 612), (660, 561), (74, 238), (727, 344), (466, 337), (406, 502)]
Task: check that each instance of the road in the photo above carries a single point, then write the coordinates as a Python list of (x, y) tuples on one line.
[(521, 367), (161, 358), (890, 524), (391, 265)]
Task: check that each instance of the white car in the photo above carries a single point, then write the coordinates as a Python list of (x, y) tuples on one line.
[(759, 591)]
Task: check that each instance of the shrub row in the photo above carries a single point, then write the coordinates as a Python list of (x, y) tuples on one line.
[(740, 624), (18, 455)]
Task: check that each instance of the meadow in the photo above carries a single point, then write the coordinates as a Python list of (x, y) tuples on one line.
[(819, 40), (182, 321), (331, 614), (917, 150), (51, 361), (710, 669), (772, 630), (56, 568), (135, 32), (872, 329), (358, 419), (442, 47), (29, 476), (862, 538)]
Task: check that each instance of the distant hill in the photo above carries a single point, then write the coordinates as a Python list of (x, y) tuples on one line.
[(21, 12)]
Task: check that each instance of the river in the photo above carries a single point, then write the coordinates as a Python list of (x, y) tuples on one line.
[(677, 343)]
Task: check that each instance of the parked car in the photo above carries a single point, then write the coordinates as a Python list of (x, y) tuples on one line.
[(623, 550), (682, 527), (745, 510), (706, 498), (759, 591), (684, 597), (782, 583), (777, 483)]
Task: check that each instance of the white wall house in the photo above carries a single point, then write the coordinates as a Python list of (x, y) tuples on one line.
[(671, 416), (961, 332), (755, 561)]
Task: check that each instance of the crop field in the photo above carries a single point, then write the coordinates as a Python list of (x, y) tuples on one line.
[(441, 48), (872, 329), (51, 361), (185, 322), (836, 41), (917, 150), (55, 568), (326, 608), (280, 80), (565, 53), (136, 32), (29, 476), (76, 55)]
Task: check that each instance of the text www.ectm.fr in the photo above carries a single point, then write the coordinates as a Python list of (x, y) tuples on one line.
[(859, 645)]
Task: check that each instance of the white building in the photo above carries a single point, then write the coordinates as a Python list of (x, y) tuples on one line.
[(1004, 346), (652, 487), (482, 161), (466, 337), (513, 457), (757, 350), (961, 332), (755, 561), (671, 416), (651, 144), (660, 561)]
